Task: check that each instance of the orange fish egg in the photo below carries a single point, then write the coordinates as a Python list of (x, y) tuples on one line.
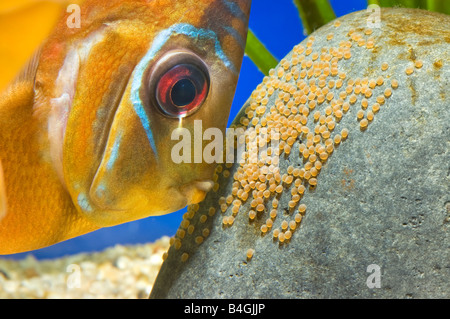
[(344, 133), (394, 83), (276, 233), (288, 235), (409, 70), (184, 257), (364, 123), (250, 253), (302, 208)]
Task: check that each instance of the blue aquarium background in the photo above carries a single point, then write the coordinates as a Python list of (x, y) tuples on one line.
[(278, 26)]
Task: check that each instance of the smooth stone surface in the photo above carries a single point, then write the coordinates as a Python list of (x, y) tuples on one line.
[(382, 198)]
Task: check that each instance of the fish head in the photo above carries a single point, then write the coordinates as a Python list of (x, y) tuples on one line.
[(133, 76)]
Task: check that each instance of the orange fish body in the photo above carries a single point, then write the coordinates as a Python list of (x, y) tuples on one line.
[(86, 130)]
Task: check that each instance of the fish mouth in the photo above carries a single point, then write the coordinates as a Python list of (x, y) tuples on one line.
[(196, 191)]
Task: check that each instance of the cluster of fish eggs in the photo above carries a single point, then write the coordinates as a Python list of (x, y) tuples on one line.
[(312, 95)]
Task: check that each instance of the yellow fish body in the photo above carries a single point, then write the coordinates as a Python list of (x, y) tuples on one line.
[(85, 139)]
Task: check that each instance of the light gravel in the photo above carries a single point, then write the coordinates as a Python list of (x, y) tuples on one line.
[(120, 272)]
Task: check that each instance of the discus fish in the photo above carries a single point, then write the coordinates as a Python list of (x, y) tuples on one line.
[(85, 138)]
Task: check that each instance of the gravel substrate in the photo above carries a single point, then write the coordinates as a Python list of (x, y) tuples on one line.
[(118, 272)]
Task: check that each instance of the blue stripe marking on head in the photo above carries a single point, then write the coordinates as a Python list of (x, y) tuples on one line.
[(236, 35), (158, 43), (114, 152), (236, 10), (84, 204)]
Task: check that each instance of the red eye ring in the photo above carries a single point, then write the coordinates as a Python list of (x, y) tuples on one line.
[(182, 90)]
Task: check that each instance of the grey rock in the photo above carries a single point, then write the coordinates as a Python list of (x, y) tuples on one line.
[(382, 198)]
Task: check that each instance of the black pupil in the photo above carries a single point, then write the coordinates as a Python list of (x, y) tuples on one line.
[(183, 93)]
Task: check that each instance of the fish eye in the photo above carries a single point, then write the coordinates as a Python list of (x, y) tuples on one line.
[(180, 84), (181, 90)]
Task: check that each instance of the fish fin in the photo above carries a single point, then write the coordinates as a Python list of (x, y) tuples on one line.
[(24, 25), (28, 73), (2, 194)]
